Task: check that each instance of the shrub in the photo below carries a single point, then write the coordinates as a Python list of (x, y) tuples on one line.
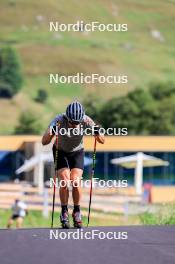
[(6, 90), (10, 71), (164, 216), (41, 96), (28, 124)]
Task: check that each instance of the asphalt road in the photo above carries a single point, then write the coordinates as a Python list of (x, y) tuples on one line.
[(144, 245)]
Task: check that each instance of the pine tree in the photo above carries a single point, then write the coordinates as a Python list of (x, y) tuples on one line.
[(10, 72)]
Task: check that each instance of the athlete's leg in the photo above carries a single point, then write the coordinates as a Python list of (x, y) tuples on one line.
[(19, 222), (76, 162), (10, 223), (64, 177), (75, 176)]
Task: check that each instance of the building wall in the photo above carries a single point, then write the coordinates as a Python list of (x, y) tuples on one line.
[(155, 175), (160, 146)]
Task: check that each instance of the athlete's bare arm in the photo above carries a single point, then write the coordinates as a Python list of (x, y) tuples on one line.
[(46, 139), (100, 139)]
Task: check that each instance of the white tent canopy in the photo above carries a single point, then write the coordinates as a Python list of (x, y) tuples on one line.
[(32, 162), (139, 161)]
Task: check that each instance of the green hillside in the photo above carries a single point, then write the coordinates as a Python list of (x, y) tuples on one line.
[(144, 58)]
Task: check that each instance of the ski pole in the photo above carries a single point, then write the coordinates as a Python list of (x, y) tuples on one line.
[(54, 187), (92, 175)]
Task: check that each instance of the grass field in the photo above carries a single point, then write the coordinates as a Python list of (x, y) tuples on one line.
[(35, 219), (25, 26), (165, 216)]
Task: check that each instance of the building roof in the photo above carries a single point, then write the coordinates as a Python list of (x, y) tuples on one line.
[(112, 143), (13, 143), (137, 143)]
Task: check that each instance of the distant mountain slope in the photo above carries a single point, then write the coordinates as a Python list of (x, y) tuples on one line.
[(145, 53)]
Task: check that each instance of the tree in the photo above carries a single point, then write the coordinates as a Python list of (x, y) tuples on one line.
[(118, 112), (10, 71), (164, 123), (92, 105), (142, 112), (147, 110), (28, 124), (160, 91)]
